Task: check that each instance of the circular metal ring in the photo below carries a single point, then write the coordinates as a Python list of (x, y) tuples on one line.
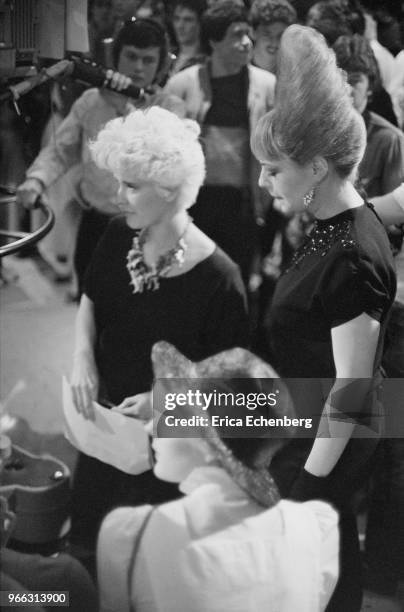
[(24, 239)]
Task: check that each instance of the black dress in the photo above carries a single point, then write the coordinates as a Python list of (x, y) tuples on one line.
[(344, 269), (201, 312)]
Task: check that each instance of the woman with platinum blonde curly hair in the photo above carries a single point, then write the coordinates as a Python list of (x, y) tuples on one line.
[(328, 316), (154, 276)]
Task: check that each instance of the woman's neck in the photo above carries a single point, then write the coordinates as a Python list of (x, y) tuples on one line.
[(164, 235), (333, 198)]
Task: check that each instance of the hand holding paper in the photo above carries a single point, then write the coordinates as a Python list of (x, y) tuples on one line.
[(111, 437), (138, 406)]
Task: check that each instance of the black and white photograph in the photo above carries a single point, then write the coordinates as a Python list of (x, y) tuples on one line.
[(202, 305)]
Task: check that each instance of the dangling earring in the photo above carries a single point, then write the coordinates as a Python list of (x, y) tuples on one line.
[(309, 197)]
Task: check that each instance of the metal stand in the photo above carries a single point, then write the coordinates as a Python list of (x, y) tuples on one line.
[(23, 239)]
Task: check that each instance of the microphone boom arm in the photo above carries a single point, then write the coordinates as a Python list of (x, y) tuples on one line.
[(80, 70)]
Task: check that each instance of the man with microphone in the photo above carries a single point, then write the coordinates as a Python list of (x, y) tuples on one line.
[(140, 55)]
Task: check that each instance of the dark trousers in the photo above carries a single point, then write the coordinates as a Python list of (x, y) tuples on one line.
[(347, 596), (92, 226), (384, 552), (226, 215)]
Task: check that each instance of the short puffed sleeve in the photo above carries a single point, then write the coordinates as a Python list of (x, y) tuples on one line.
[(352, 284)]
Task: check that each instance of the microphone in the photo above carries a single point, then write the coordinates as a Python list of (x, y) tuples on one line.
[(92, 74), (79, 69)]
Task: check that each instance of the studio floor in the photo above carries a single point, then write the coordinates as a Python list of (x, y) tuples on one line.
[(36, 346)]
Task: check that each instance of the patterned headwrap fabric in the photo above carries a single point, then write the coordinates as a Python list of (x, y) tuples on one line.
[(168, 362)]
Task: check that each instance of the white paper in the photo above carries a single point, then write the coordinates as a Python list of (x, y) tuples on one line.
[(113, 438)]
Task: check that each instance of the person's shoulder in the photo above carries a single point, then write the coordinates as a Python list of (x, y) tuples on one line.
[(363, 247), (384, 127), (355, 223), (87, 103), (190, 71), (221, 265), (170, 102), (123, 523), (188, 75), (324, 512), (116, 236), (399, 61), (325, 516), (172, 508), (367, 225), (118, 224), (90, 96), (398, 195), (262, 76)]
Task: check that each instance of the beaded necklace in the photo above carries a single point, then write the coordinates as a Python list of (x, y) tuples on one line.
[(144, 277)]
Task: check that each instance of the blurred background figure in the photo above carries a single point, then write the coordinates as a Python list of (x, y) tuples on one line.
[(382, 167), (186, 25), (139, 53), (124, 10), (227, 96), (101, 26), (269, 19), (153, 9), (335, 18), (330, 18), (384, 58), (389, 32)]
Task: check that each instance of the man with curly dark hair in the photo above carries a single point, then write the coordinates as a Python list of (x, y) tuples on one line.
[(269, 19)]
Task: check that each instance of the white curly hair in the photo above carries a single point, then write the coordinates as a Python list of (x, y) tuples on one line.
[(156, 146)]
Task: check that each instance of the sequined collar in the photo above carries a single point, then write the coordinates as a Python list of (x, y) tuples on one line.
[(324, 234)]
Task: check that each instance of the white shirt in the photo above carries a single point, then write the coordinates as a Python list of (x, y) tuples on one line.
[(216, 550), (386, 63), (398, 76), (397, 87), (398, 195)]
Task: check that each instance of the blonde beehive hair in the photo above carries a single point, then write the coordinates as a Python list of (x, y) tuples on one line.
[(313, 113)]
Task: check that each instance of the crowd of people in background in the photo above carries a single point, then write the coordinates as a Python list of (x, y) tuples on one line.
[(276, 155)]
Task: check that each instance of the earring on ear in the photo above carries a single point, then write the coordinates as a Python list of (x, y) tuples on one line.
[(309, 197)]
